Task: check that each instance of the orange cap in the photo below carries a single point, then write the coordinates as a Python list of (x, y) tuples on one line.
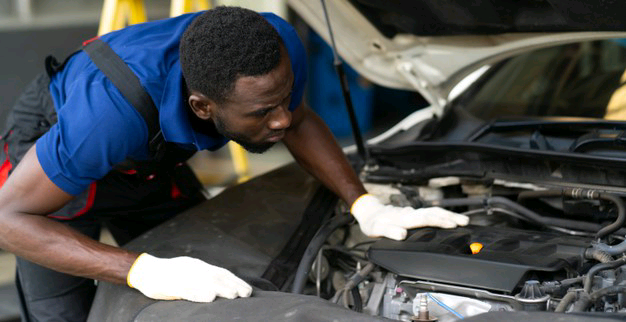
[(476, 248)]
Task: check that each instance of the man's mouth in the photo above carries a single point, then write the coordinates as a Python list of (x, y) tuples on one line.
[(276, 137)]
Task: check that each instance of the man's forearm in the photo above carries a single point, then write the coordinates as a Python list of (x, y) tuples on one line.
[(314, 147), (59, 247), (25, 198)]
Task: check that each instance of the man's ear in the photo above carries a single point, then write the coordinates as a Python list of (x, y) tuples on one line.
[(201, 105)]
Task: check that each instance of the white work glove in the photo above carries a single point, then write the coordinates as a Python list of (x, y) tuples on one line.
[(184, 278), (378, 220)]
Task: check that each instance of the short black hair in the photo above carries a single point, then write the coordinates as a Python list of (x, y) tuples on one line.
[(223, 44)]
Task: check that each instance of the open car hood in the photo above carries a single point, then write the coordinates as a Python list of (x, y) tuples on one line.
[(431, 45)]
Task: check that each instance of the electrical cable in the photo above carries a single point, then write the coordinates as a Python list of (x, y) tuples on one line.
[(443, 305), (351, 285), (357, 300)]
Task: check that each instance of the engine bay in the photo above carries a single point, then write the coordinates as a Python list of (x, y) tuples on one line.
[(528, 247)]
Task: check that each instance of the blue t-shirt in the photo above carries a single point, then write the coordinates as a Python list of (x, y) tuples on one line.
[(97, 128)]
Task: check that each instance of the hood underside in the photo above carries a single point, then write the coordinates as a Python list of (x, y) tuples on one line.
[(467, 17), (431, 45)]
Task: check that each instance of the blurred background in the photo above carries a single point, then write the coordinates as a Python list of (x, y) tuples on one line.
[(32, 29)]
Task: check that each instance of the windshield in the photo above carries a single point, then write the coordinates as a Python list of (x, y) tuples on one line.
[(584, 79)]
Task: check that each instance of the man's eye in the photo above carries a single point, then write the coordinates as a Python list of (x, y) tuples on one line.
[(262, 112)]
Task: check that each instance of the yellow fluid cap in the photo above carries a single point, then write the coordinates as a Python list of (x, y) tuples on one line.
[(476, 248)]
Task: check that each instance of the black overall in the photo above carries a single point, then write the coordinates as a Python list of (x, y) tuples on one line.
[(129, 200)]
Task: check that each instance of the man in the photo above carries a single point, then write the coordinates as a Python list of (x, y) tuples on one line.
[(228, 73)]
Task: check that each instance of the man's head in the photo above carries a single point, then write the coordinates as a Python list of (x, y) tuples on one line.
[(238, 75)]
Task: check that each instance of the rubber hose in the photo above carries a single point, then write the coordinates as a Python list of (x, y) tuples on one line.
[(584, 194), (600, 256), (600, 267), (525, 195), (573, 280), (582, 304), (619, 221), (529, 214), (611, 250), (314, 246), (565, 302), (607, 291), (568, 192)]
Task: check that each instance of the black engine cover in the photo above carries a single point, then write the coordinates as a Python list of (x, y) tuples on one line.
[(508, 257)]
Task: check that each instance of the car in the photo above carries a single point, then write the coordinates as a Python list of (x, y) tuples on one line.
[(525, 134)]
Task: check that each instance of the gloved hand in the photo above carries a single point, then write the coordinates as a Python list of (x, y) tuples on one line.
[(378, 220), (184, 278)]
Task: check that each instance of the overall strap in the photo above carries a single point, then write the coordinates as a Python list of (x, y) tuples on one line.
[(125, 80)]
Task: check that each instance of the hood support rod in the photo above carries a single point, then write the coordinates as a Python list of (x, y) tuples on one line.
[(358, 139)]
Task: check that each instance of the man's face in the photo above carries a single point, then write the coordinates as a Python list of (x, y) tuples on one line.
[(256, 114)]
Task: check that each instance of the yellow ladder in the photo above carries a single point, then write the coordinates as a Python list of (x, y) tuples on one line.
[(116, 14), (178, 7)]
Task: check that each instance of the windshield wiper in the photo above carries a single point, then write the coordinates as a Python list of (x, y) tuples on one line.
[(552, 123)]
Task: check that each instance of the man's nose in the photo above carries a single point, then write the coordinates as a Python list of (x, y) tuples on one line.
[(281, 120)]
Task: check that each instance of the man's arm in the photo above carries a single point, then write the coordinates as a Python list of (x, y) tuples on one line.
[(314, 147), (26, 197)]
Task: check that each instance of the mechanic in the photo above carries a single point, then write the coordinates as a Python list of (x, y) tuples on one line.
[(80, 144)]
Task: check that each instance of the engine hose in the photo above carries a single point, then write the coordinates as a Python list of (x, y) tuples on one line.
[(621, 216), (607, 291), (600, 267), (599, 255), (611, 250), (566, 301), (314, 246), (527, 213), (584, 194), (582, 304), (571, 281), (568, 192)]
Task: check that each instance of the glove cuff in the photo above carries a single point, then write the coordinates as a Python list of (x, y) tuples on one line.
[(365, 204), (138, 266)]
